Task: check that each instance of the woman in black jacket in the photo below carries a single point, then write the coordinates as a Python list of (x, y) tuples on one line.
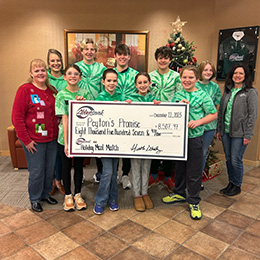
[(236, 120)]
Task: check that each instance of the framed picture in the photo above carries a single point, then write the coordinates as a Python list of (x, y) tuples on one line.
[(237, 45), (106, 42)]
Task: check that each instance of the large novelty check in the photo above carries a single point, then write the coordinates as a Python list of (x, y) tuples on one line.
[(136, 130)]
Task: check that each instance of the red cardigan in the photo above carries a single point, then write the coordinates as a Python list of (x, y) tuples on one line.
[(33, 115)]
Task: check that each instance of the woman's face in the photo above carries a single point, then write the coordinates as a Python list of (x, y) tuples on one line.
[(207, 73), (238, 76), (110, 83), (39, 74), (72, 76), (142, 84), (54, 62)]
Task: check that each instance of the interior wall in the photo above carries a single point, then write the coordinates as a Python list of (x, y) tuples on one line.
[(30, 28), (235, 14)]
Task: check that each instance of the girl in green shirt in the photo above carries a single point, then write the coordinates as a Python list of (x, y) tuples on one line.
[(207, 72)]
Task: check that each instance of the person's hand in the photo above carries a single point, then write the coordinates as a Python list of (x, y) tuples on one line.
[(219, 136), (129, 101), (156, 102), (31, 147), (186, 101), (79, 98), (66, 151), (193, 124), (246, 141)]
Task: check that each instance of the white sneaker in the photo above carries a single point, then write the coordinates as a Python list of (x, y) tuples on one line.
[(126, 182)]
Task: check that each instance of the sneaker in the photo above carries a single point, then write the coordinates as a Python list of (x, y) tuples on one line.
[(126, 182), (113, 206), (97, 176), (153, 181), (79, 202), (173, 198), (83, 178), (68, 204), (195, 212), (169, 184), (98, 209)]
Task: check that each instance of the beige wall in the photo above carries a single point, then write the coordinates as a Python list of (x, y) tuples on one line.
[(30, 28)]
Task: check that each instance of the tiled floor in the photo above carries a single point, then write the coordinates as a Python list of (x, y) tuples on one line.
[(229, 229)]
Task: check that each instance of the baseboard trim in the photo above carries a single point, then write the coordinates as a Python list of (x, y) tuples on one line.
[(245, 161)]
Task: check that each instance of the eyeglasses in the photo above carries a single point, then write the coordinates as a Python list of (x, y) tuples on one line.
[(73, 74)]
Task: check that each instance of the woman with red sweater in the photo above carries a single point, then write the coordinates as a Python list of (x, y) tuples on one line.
[(36, 125)]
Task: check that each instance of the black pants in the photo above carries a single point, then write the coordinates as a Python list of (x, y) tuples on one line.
[(126, 167), (188, 173), (167, 167), (99, 164), (66, 171)]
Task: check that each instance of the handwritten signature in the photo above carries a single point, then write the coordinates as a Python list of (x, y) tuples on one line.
[(137, 148)]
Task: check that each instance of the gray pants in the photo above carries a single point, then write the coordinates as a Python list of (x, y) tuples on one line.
[(140, 176)]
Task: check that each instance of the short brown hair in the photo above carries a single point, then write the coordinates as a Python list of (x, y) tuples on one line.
[(163, 51), (203, 65), (191, 68), (122, 49)]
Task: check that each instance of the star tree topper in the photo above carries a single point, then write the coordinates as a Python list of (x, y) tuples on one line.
[(177, 25)]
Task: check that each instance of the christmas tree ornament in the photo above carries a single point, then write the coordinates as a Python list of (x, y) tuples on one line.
[(172, 44), (179, 45), (185, 61), (168, 45), (183, 48), (177, 25)]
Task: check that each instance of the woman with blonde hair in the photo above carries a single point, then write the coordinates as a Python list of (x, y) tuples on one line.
[(36, 125)]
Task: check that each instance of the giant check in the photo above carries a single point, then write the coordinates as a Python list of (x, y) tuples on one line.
[(136, 130)]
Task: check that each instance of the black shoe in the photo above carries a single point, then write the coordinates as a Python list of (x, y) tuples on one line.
[(235, 190), (50, 200), (230, 186), (36, 206)]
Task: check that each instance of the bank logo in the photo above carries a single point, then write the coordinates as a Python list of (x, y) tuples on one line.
[(86, 111), (81, 141)]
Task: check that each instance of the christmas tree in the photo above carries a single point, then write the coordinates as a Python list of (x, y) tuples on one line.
[(183, 51)]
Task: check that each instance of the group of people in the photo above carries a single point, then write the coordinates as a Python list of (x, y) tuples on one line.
[(42, 126)]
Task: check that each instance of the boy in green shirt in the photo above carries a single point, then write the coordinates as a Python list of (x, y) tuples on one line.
[(165, 83), (188, 173), (92, 72), (126, 87)]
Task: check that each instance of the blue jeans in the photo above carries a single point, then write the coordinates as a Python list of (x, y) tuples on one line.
[(108, 189), (234, 151), (207, 139), (41, 165)]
